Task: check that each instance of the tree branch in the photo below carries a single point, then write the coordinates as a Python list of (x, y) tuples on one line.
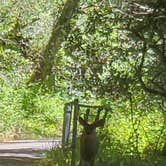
[(144, 86)]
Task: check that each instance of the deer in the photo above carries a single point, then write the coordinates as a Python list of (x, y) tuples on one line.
[(89, 142)]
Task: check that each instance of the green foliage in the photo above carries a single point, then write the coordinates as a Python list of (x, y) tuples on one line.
[(22, 27), (57, 157), (30, 113), (46, 109), (111, 55)]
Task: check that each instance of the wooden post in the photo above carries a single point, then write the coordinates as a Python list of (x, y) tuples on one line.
[(74, 136), (66, 123)]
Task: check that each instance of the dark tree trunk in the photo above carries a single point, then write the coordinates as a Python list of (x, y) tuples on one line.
[(47, 58)]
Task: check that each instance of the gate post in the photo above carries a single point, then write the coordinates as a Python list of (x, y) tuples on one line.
[(66, 123), (74, 136)]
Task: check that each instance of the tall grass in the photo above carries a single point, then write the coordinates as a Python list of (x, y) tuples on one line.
[(29, 112)]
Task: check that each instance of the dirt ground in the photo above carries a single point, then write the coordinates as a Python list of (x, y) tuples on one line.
[(25, 152), (18, 162)]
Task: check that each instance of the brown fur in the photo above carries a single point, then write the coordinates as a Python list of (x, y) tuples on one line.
[(89, 142)]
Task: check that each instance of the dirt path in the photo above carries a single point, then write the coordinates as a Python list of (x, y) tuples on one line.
[(25, 152)]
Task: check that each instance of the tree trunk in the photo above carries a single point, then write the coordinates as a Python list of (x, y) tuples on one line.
[(164, 147), (47, 58)]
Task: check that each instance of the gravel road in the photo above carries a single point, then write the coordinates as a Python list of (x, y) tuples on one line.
[(25, 152)]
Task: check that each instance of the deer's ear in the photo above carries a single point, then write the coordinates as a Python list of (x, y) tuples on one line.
[(82, 121), (99, 123)]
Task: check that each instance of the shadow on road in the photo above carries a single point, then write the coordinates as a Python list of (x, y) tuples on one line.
[(25, 152)]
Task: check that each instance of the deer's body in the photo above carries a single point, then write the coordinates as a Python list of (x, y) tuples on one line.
[(89, 142), (88, 147)]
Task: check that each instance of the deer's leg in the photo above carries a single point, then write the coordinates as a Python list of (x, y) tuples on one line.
[(92, 162), (82, 163)]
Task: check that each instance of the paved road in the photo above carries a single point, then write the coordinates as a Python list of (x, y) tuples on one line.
[(25, 152)]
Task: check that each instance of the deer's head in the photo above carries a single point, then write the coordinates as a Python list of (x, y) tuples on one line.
[(90, 128)]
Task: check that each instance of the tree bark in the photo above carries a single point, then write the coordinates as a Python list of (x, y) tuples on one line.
[(47, 58)]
